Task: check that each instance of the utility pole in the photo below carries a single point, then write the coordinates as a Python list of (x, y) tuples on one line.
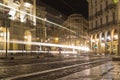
[(45, 30), (6, 24), (6, 38)]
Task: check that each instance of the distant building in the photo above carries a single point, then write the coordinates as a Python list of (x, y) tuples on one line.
[(104, 20), (78, 24), (45, 31)]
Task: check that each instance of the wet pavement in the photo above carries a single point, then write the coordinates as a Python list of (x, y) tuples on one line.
[(114, 74), (32, 68), (60, 72), (107, 71), (94, 73)]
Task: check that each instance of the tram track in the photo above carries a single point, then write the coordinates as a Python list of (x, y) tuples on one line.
[(58, 70)]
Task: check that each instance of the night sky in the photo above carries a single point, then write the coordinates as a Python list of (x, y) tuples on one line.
[(68, 7)]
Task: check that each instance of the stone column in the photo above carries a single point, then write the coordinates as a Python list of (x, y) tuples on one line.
[(119, 40), (34, 11), (118, 23), (91, 43), (111, 46)]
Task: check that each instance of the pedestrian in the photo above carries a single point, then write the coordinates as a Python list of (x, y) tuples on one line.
[(60, 49)]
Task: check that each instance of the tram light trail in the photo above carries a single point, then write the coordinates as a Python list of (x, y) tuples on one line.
[(24, 51), (49, 45), (39, 18)]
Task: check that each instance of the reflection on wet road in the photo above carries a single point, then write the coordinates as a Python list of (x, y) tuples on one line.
[(53, 69), (114, 74), (94, 73), (107, 71)]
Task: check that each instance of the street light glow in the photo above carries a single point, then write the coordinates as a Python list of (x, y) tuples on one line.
[(116, 36)]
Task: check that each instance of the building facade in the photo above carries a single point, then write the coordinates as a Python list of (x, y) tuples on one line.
[(104, 26), (79, 24), (19, 24), (25, 27), (45, 31)]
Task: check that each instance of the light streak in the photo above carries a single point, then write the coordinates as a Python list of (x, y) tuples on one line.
[(24, 51), (50, 45), (43, 19)]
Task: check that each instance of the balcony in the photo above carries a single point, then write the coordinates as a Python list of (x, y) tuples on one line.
[(105, 26), (114, 22)]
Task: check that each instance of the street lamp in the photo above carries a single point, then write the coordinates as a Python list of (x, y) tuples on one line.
[(56, 40)]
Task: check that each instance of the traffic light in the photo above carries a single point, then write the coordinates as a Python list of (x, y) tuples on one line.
[(95, 46)]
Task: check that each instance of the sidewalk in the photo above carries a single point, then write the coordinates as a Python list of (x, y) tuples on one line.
[(116, 58)]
